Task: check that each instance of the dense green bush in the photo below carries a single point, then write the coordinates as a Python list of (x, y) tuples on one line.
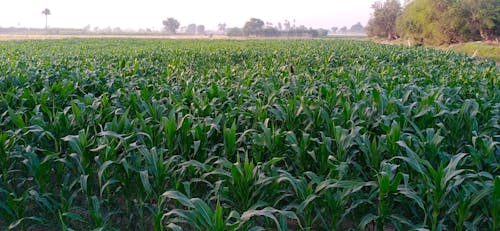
[(446, 21)]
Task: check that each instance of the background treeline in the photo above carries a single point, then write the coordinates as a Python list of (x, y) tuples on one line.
[(436, 21), (256, 27)]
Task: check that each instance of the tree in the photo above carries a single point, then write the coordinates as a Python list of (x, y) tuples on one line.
[(269, 25), (411, 22), (449, 21), (191, 29), (357, 28), (343, 30), (302, 28), (483, 16), (200, 29), (86, 29), (253, 26), (234, 31), (322, 32), (46, 12), (171, 25), (270, 32), (221, 27), (383, 20), (287, 25), (334, 29), (107, 30)]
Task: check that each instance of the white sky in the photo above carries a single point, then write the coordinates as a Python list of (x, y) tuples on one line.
[(130, 14)]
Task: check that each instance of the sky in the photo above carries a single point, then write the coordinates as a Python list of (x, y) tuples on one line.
[(142, 14)]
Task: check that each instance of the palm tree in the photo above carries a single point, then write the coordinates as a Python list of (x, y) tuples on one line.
[(46, 12)]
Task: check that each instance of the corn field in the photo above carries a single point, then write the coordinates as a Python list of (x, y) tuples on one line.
[(131, 134)]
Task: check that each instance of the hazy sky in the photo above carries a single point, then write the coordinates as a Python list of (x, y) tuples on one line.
[(135, 14)]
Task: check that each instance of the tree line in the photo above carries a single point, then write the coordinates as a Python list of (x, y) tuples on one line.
[(436, 21), (256, 27), (253, 27)]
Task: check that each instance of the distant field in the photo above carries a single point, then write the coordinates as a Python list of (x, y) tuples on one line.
[(10, 37), (323, 134)]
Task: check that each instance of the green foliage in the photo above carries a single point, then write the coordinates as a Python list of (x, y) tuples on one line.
[(246, 135), (448, 21), (483, 16)]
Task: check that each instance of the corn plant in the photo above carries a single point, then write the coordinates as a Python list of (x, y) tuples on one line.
[(327, 134)]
